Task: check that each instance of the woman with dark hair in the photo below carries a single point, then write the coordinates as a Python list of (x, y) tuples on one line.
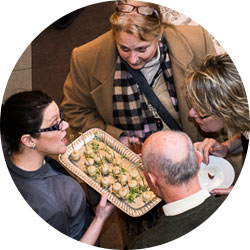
[(32, 127)]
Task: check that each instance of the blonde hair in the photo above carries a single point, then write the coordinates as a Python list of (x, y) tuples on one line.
[(215, 88), (143, 27)]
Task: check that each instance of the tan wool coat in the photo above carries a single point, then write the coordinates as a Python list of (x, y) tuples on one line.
[(88, 89)]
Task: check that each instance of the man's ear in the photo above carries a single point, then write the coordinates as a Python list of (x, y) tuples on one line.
[(152, 179), (199, 157), (27, 140)]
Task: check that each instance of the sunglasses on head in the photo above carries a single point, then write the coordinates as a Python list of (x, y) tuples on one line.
[(142, 10)]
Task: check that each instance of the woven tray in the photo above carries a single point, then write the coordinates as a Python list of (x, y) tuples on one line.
[(134, 209)]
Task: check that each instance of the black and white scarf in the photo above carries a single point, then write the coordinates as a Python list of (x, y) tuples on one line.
[(130, 110)]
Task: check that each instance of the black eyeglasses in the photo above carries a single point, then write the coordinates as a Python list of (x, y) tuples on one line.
[(201, 117), (142, 10), (57, 126)]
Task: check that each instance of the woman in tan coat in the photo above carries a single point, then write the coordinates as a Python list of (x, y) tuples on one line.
[(100, 91)]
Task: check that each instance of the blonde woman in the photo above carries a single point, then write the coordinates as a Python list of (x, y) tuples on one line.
[(218, 99), (100, 90)]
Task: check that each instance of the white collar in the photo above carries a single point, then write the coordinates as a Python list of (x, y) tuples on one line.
[(246, 134), (183, 205)]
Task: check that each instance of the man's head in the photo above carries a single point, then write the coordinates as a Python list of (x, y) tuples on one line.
[(169, 159)]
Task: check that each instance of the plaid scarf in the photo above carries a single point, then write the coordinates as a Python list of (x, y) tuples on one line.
[(130, 110)]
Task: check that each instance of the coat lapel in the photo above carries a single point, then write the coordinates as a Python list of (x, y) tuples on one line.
[(103, 71), (181, 57), (179, 49)]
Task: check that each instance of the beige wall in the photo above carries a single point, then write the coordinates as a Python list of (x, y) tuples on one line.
[(20, 78)]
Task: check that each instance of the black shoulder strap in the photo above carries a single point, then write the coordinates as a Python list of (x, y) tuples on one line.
[(153, 99)]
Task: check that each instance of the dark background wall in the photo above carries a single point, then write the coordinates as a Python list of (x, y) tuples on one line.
[(51, 49)]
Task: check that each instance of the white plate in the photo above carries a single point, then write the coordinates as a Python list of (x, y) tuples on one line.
[(219, 173)]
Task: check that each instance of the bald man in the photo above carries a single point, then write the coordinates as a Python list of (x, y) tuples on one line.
[(171, 167)]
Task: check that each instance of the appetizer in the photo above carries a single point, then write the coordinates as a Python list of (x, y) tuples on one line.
[(116, 170), (105, 169), (123, 179), (105, 182), (75, 155), (132, 184), (116, 187), (147, 196), (134, 173), (91, 170), (123, 192)]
